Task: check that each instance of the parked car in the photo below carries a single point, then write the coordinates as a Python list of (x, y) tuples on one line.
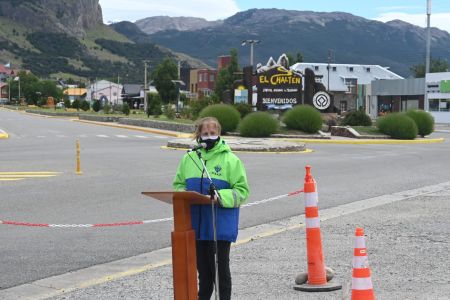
[(60, 105)]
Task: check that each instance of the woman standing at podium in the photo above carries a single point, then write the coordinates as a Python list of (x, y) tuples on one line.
[(229, 177)]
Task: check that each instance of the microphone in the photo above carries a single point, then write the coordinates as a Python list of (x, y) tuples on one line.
[(200, 146)]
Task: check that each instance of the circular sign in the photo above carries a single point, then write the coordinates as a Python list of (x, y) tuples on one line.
[(321, 100)]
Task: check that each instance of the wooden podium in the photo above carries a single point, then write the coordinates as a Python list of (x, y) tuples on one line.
[(184, 260)]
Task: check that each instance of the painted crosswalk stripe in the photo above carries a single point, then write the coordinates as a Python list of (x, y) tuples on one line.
[(61, 136), (161, 137), (142, 137), (102, 136), (121, 136), (11, 179)]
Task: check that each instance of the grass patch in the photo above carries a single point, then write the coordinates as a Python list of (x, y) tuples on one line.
[(367, 130), (285, 130), (139, 115)]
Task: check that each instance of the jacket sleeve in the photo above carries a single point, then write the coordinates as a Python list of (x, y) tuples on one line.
[(237, 195), (179, 182)]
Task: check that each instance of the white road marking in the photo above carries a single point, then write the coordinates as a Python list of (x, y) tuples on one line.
[(61, 135), (121, 136), (102, 136), (142, 137)]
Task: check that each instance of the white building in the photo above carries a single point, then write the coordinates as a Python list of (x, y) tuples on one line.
[(437, 96), (343, 80), (105, 91)]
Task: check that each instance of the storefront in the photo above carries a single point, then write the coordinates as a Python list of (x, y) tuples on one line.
[(399, 95), (437, 96)]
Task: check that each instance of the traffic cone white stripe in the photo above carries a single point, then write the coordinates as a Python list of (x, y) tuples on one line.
[(311, 199), (362, 283), (360, 262), (360, 242), (312, 222)]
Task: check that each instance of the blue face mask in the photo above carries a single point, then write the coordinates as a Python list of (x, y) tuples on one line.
[(210, 141)]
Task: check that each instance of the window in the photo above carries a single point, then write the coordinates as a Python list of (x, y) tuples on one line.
[(200, 77), (367, 69), (316, 68), (343, 106), (334, 69), (211, 78), (442, 105), (350, 69)]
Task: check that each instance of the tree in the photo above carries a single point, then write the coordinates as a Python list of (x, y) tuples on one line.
[(297, 59), (163, 75), (436, 65), (227, 76), (33, 89)]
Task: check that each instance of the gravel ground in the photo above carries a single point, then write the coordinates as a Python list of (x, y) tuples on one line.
[(408, 252)]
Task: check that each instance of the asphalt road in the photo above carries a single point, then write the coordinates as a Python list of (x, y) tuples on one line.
[(119, 164)]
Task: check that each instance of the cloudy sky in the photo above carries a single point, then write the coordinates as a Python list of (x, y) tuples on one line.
[(412, 11)]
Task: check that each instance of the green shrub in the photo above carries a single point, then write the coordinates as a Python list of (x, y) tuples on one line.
[(85, 105), (243, 108), (227, 115), (197, 106), (107, 109), (76, 104), (423, 120), (398, 126), (42, 102), (357, 118), (169, 112), (186, 113), (303, 117), (126, 109), (154, 105), (66, 103), (96, 106), (258, 124)]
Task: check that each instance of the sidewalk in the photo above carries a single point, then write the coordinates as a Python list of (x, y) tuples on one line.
[(408, 253)]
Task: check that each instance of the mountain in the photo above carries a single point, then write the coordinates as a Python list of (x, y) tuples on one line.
[(161, 23), (67, 38), (396, 44)]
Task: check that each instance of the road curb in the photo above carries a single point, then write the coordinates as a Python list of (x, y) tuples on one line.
[(369, 142), (99, 274), (154, 131), (244, 151)]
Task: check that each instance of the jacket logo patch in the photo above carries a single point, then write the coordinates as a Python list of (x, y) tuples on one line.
[(217, 170)]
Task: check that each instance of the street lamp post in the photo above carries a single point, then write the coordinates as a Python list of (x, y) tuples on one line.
[(251, 43), (427, 61)]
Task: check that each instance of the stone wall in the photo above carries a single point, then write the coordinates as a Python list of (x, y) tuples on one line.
[(188, 128)]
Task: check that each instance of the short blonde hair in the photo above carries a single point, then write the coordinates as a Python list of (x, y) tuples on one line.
[(200, 123)]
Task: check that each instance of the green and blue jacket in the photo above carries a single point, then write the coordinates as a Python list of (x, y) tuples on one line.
[(228, 175)]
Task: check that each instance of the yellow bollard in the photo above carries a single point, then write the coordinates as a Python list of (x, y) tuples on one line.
[(78, 170)]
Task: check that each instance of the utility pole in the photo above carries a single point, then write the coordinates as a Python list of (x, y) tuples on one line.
[(179, 70), (427, 63), (9, 89), (330, 53), (145, 85)]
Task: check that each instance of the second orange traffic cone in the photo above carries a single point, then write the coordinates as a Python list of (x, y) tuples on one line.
[(362, 288), (317, 277)]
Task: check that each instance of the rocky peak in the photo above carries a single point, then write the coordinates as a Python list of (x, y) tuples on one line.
[(161, 23), (73, 17)]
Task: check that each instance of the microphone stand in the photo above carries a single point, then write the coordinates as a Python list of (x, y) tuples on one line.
[(213, 192)]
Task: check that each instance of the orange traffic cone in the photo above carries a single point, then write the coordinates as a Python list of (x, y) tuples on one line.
[(362, 288), (317, 276)]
